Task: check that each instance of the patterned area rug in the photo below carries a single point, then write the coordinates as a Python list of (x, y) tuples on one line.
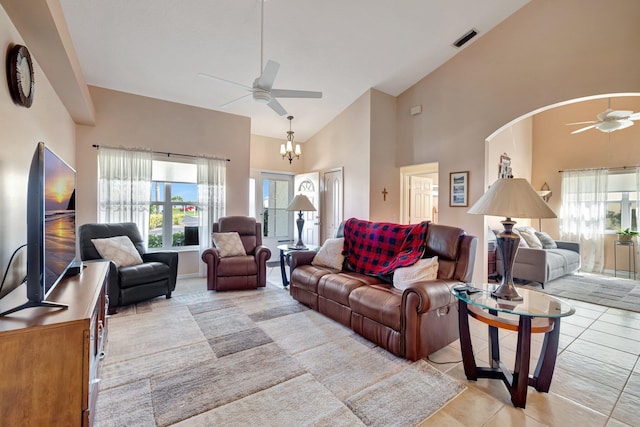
[(609, 291), (255, 358)]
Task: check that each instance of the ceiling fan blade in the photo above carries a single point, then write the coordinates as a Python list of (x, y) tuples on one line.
[(582, 123), (235, 101), (634, 116), (268, 76), (245, 87), (286, 93), (583, 129), (275, 106)]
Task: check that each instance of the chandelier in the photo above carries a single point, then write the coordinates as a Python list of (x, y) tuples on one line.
[(287, 151)]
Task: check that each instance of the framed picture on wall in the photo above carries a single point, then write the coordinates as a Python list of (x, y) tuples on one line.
[(459, 189)]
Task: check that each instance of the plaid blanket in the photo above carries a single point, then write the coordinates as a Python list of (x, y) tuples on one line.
[(381, 247)]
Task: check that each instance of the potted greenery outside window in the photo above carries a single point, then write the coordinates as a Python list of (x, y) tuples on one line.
[(626, 235)]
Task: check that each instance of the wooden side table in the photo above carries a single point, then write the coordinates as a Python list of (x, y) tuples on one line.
[(537, 313)]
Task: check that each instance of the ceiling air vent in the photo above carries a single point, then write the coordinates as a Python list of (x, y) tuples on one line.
[(465, 38)]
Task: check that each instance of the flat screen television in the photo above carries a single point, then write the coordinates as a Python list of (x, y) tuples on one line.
[(51, 225)]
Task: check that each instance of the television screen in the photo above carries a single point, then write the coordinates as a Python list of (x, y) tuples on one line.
[(59, 218)]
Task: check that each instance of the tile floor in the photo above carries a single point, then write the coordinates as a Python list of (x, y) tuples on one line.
[(596, 381)]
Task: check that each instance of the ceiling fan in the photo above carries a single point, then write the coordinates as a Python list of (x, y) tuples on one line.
[(262, 90), (609, 120)]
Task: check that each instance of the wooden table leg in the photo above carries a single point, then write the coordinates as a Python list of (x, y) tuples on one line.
[(285, 282), (468, 360), (546, 364), (521, 370), (494, 344)]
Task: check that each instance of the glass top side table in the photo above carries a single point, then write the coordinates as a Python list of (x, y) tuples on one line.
[(536, 313)]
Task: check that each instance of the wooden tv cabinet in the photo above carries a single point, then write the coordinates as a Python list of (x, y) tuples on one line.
[(50, 357)]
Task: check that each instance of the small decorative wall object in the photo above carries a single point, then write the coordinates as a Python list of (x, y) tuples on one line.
[(459, 189), (504, 170), (20, 75), (384, 194)]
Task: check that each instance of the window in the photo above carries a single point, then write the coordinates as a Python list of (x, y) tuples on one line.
[(621, 202), (173, 208)]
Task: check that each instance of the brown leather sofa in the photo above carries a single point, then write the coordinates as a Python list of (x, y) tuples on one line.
[(238, 272), (412, 323)]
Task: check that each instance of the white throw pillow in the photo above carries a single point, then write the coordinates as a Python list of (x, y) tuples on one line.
[(228, 244), (424, 269), (546, 240), (119, 249), (330, 254), (529, 235)]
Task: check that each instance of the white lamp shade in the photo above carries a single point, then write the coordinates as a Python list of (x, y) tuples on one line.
[(289, 147), (301, 203), (282, 150), (298, 150), (512, 198)]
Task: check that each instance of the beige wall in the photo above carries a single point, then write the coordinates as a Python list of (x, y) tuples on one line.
[(265, 155), (555, 149), (135, 121), (346, 142), (22, 128), (545, 53), (384, 174)]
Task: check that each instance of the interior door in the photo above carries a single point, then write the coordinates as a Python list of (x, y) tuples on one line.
[(333, 208), (308, 185), (420, 199)]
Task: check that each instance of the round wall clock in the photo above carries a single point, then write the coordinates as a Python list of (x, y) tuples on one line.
[(20, 75)]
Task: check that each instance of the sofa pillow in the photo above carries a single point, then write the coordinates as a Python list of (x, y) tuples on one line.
[(546, 240), (424, 269), (119, 249), (330, 254), (228, 244), (529, 235)]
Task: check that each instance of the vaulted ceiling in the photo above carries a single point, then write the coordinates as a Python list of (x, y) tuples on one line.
[(157, 48)]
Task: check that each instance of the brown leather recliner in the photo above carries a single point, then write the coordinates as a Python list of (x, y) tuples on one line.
[(238, 272)]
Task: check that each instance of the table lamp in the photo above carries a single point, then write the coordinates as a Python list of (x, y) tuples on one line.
[(300, 203), (511, 198)]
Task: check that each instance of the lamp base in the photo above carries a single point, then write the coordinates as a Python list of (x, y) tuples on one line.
[(507, 242), (300, 224)]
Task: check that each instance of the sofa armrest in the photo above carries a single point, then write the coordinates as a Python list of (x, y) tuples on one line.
[(300, 258), (572, 246), (421, 297), (166, 257)]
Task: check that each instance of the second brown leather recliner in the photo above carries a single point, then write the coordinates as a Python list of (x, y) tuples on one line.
[(238, 272)]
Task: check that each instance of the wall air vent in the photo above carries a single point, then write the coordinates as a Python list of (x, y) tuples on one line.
[(465, 38)]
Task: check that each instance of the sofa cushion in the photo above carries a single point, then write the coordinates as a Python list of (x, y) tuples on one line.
[(529, 235), (424, 269), (118, 249), (337, 287), (546, 240), (380, 303), (148, 272), (228, 244), (561, 262), (330, 254), (237, 266)]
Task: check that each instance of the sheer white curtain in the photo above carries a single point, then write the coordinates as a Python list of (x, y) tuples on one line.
[(637, 213), (583, 214), (124, 186), (211, 199)]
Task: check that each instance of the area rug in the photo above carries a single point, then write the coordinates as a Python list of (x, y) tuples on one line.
[(255, 357), (609, 291)]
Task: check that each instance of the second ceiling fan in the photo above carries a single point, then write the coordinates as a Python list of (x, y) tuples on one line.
[(262, 89), (609, 120)]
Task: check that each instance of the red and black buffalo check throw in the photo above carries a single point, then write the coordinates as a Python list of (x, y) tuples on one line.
[(381, 247)]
